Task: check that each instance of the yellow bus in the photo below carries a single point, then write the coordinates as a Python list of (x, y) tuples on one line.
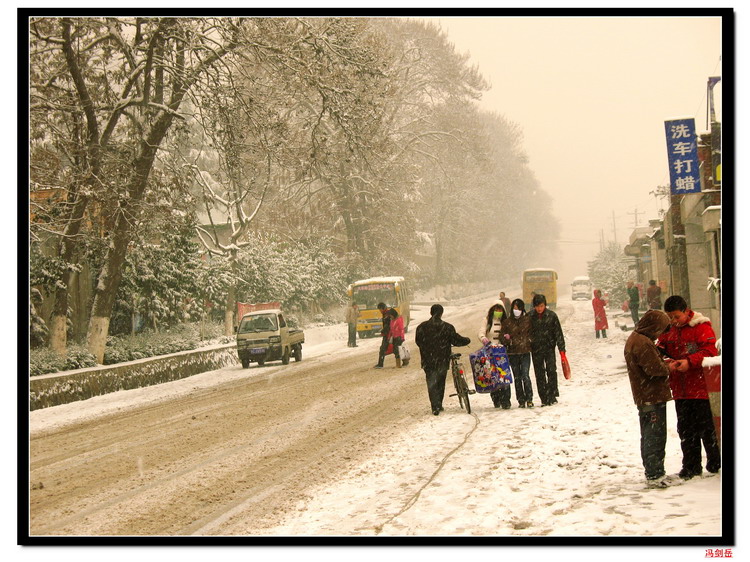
[(367, 293), (540, 281)]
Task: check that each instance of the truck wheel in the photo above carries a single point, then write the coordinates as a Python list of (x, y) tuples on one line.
[(245, 363), (285, 357), (298, 353), (261, 362)]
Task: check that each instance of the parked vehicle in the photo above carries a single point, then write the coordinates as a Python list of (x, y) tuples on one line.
[(367, 293), (540, 281), (264, 335), (581, 288)]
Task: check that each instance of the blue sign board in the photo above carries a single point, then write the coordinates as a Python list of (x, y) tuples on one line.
[(682, 152)]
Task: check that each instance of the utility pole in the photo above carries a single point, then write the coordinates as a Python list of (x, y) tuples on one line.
[(636, 213), (614, 226)]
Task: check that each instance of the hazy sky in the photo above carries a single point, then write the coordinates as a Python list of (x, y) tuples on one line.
[(591, 95)]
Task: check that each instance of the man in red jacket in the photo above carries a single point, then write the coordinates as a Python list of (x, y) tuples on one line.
[(688, 341)]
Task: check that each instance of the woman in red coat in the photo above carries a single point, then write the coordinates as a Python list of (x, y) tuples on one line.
[(600, 315)]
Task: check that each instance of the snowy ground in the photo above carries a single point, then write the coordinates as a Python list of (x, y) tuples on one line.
[(569, 470)]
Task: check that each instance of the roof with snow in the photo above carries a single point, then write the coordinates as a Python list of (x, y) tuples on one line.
[(378, 280), (264, 311)]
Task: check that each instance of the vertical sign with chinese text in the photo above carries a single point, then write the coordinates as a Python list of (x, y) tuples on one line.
[(682, 153)]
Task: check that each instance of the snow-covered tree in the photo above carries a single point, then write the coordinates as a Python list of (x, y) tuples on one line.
[(159, 284), (609, 272)]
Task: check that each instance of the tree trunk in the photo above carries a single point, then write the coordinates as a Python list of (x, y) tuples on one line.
[(229, 311), (111, 273), (58, 334), (106, 288), (58, 340), (96, 337)]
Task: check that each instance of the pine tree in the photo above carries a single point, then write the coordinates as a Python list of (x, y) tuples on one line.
[(609, 272)]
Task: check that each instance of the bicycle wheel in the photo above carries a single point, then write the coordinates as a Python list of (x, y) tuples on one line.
[(464, 392)]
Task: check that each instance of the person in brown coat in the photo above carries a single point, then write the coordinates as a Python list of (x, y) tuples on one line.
[(649, 382), (653, 295), (517, 333)]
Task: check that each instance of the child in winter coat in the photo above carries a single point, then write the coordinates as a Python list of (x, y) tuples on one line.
[(600, 315), (689, 340), (491, 331), (649, 382)]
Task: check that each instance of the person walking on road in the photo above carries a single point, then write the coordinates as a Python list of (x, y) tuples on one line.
[(649, 383), (653, 295), (385, 333), (689, 340), (600, 314), (546, 334), (491, 332), (506, 302), (634, 301), (434, 338), (352, 312), (517, 334), (396, 334)]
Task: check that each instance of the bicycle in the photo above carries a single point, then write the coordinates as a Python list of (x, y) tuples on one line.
[(459, 383)]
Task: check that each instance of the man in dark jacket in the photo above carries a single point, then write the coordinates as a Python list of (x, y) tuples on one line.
[(653, 295), (649, 382), (634, 301), (385, 333), (546, 334), (434, 339)]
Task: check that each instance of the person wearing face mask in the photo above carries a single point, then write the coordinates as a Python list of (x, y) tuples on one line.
[(517, 334), (491, 332)]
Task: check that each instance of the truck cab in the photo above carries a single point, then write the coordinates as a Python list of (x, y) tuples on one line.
[(264, 335)]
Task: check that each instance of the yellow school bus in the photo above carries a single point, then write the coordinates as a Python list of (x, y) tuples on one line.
[(367, 293), (540, 281)]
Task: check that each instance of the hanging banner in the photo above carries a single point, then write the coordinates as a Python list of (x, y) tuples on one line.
[(682, 153)]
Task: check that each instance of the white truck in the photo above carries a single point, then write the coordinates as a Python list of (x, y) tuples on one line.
[(264, 335), (581, 287)]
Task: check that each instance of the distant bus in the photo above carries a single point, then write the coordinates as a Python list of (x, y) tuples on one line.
[(367, 293), (581, 287), (540, 281)]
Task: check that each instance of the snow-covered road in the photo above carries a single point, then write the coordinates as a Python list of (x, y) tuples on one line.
[(569, 470), (573, 469)]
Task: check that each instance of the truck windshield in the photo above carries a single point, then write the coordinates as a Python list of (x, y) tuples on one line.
[(258, 323)]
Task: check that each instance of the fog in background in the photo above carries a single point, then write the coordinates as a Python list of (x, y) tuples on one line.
[(591, 95)]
